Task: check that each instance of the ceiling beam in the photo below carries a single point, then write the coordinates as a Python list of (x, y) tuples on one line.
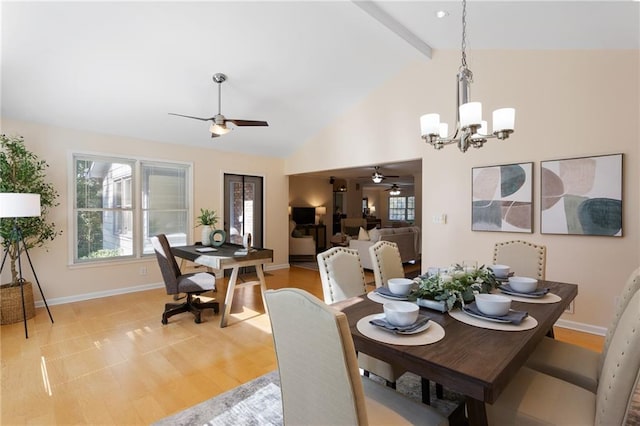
[(373, 10)]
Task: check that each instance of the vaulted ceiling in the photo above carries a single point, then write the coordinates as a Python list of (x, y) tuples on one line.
[(120, 67)]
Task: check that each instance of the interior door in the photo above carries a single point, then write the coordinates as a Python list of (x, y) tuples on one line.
[(243, 208)]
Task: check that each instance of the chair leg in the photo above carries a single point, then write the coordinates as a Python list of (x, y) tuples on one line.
[(392, 385), (192, 305), (366, 373), (426, 391), (439, 391)]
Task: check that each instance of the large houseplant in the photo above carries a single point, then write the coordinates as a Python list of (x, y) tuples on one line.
[(21, 171)]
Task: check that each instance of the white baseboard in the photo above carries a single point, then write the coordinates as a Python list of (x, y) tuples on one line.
[(125, 290), (578, 326)]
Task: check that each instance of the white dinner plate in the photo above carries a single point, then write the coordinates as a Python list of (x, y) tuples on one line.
[(515, 293), (387, 296), (416, 331), (471, 314)]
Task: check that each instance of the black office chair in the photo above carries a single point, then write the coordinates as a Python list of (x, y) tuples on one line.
[(192, 284)]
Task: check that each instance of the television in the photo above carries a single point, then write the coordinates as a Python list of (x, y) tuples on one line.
[(303, 215)]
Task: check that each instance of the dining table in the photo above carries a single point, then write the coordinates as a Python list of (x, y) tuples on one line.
[(229, 256), (472, 361)]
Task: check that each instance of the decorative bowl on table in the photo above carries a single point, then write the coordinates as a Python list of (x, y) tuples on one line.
[(493, 304), (401, 313), (400, 286), (501, 271), (523, 284)]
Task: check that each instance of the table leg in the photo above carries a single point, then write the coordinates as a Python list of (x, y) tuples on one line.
[(228, 298), (476, 412), (263, 285)]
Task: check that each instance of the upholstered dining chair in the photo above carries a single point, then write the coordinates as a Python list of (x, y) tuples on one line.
[(525, 259), (307, 332), (342, 277), (386, 260), (534, 398), (573, 363), (192, 284)]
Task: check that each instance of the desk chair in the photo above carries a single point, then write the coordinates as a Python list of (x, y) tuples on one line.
[(534, 398), (575, 364), (175, 282), (319, 376)]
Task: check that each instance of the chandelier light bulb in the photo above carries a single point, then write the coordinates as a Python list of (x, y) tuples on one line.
[(504, 119)]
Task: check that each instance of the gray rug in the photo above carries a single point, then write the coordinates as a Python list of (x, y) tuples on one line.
[(258, 402)]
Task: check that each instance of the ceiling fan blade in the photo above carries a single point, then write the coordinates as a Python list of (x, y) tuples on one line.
[(190, 116), (214, 135), (247, 122)]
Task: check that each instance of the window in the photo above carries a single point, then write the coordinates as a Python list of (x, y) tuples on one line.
[(119, 203), (402, 208)]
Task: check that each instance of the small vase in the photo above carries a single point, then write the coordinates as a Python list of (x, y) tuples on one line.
[(436, 305), (205, 237)]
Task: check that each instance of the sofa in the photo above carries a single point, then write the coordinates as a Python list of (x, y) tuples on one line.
[(300, 246), (407, 239)]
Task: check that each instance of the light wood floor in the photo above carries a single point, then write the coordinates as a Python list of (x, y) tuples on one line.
[(110, 360)]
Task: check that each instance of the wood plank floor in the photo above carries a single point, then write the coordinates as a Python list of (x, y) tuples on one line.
[(110, 360)]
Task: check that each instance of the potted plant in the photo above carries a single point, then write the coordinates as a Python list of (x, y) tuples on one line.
[(21, 171), (455, 287), (207, 219)]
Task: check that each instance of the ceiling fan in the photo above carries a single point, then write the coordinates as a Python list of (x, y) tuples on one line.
[(219, 121), (394, 189), (378, 177)]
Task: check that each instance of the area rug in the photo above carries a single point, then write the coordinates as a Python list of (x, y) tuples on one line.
[(258, 402)]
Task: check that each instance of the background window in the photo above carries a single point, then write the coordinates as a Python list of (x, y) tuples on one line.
[(402, 208), (120, 203)]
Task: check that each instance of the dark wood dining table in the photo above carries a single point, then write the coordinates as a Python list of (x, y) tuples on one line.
[(475, 362)]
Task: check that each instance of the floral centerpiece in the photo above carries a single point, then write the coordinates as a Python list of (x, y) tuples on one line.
[(456, 286)]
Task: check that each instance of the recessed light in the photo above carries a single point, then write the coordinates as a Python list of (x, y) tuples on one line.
[(442, 13)]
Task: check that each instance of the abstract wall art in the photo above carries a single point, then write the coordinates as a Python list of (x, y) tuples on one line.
[(582, 196), (502, 198)]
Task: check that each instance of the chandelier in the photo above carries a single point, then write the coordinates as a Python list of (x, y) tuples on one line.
[(471, 130)]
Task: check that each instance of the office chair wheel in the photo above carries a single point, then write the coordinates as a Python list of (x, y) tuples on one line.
[(165, 321)]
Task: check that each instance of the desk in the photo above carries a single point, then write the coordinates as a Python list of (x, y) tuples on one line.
[(224, 258), (475, 362)]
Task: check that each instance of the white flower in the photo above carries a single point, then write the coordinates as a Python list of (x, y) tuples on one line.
[(446, 278)]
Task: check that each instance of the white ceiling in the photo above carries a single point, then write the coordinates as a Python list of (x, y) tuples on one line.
[(119, 68)]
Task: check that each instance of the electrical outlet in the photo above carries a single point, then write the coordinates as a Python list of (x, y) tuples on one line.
[(143, 270)]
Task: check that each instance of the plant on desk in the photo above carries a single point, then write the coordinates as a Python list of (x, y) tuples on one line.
[(455, 287), (207, 219)]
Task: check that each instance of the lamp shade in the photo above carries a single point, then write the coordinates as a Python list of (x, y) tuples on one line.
[(14, 204), (321, 211), (219, 129)]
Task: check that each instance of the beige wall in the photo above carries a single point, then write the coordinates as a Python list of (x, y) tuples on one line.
[(569, 104), (62, 281)]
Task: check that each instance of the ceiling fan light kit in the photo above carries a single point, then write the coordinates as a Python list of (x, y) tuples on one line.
[(219, 122), (378, 177), (471, 130)]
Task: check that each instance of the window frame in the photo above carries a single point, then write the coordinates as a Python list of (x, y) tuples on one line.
[(138, 227), (406, 208)]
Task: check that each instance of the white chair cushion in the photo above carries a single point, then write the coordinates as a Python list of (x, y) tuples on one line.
[(568, 362), (534, 398), (385, 406)]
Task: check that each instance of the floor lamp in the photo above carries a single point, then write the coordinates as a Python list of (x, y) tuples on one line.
[(16, 205)]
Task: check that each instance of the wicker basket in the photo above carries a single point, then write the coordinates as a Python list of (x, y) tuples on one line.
[(11, 303)]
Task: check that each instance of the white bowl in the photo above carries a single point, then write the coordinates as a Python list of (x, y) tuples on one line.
[(401, 313), (400, 286), (523, 284), (501, 271), (493, 304)]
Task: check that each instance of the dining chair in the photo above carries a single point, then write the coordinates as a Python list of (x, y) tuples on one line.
[(534, 398), (576, 364), (192, 284), (342, 277), (524, 258), (385, 257), (307, 332)]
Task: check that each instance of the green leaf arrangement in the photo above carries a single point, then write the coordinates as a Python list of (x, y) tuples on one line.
[(455, 287), (207, 217)]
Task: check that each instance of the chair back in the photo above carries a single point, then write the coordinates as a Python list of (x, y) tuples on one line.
[(524, 258), (319, 376), (630, 288), (621, 368), (168, 265), (341, 274), (385, 257)]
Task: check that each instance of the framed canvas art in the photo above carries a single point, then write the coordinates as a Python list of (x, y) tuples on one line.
[(582, 196), (502, 198)]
